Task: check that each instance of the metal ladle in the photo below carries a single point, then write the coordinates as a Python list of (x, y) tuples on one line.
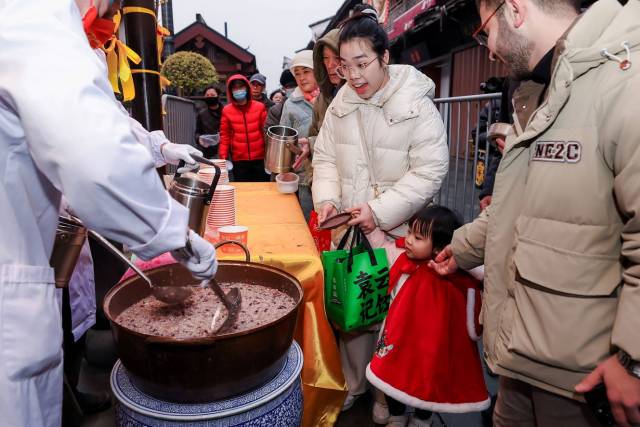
[(167, 294), (178, 294), (231, 300)]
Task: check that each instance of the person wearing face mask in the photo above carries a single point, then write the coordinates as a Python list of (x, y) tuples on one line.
[(81, 144), (79, 299), (288, 83), (381, 154), (241, 132), (208, 122), (99, 30)]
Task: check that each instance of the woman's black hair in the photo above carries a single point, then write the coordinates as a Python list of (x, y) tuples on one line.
[(274, 92), (437, 223), (364, 24), (211, 87)]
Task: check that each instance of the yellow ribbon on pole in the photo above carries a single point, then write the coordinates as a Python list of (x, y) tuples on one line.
[(161, 33), (135, 9), (118, 57)]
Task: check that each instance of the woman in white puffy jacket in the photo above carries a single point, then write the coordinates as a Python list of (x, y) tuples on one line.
[(381, 154)]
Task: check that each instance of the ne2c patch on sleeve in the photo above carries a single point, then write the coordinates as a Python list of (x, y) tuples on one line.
[(557, 151)]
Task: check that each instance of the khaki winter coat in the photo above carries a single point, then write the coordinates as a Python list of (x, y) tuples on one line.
[(561, 239), (327, 89), (398, 138)]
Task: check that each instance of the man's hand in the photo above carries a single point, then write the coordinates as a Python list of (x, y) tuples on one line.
[(326, 211), (485, 202), (444, 263), (500, 144), (362, 217), (623, 390), (200, 260), (306, 151), (173, 153)]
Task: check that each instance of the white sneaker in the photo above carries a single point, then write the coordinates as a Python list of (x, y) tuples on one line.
[(397, 421), (416, 422), (380, 413), (349, 401)]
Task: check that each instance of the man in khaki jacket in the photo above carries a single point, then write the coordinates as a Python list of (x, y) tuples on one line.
[(561, 240)]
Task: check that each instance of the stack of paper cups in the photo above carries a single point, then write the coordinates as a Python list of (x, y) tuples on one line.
[(222, 211), (206, 172)]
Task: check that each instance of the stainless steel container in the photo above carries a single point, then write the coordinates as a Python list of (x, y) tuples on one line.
[(281, 144), (196, 196), (70, 237)]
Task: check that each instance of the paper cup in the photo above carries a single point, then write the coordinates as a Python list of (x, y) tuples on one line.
[(239, 233)]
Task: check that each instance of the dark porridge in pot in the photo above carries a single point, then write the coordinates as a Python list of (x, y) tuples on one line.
[(260, 305)]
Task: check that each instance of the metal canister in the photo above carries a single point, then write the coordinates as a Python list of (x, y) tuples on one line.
[(196, 195), (281, 144), (70, 237)]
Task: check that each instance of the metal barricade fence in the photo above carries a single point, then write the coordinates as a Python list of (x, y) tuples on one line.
[(179, 121), (468, 156)]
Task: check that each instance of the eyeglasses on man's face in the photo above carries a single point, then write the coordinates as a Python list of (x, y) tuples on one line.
[(479, 35)]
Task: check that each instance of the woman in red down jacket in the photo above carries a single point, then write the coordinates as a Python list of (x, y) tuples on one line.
[(241, 127)]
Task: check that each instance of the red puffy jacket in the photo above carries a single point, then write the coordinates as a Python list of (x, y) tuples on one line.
[(241, 126)]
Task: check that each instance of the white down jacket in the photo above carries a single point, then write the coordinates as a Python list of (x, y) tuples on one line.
[(390, 151)]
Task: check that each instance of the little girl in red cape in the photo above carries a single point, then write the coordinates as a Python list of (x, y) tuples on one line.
[(426, 356)]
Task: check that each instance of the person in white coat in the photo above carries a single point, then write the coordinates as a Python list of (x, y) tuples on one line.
[(68, 137), (381, 155), (163, 151)]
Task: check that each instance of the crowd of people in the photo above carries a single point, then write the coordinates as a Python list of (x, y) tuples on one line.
[(548, 276), (378, 151)]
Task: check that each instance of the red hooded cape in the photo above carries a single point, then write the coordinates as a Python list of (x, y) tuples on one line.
[(427, 355)]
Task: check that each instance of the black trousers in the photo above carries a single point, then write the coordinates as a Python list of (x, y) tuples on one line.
[(249, 171), (397, 408)]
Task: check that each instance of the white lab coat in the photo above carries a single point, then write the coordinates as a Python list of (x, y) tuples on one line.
[(82, 287), (60, 132)]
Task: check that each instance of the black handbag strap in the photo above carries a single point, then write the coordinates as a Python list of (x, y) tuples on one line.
[(345, 237), (362, 239)]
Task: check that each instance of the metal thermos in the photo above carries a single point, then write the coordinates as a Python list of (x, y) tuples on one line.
[(195, 195), (70, 237), (281, 144)]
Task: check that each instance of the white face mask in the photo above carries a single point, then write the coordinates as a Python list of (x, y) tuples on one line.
[(289, 91)]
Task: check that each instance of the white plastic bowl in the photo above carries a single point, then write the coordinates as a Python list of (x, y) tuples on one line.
[(287, 182)]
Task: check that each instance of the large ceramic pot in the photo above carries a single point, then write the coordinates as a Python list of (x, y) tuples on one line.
[(209, 368), (274, 404)]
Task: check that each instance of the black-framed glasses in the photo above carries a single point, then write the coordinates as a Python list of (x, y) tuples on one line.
[(344, 71), (479, 35)]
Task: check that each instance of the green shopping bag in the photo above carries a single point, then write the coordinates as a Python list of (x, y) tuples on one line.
[(356, 282)]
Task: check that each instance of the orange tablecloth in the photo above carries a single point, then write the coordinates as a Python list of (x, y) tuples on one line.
[(279, 236)]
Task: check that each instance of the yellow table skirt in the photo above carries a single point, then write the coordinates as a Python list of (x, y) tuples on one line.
[(279, 236)]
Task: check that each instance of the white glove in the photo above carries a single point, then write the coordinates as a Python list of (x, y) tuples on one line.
[(173, 153), (202, 262)]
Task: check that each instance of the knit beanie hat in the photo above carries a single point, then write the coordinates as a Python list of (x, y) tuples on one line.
[(304, 58)]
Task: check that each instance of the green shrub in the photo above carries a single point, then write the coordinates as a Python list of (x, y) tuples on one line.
[(189, 72)]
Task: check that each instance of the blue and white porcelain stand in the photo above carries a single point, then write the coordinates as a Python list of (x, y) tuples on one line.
[(277, 403)]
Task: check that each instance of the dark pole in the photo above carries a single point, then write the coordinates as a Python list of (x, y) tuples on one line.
[(140, 28), (167, 22)]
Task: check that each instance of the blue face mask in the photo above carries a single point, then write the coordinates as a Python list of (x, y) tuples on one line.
[(239, 94)]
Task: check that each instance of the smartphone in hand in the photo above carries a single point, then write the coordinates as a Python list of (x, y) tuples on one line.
[(598, 402)]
